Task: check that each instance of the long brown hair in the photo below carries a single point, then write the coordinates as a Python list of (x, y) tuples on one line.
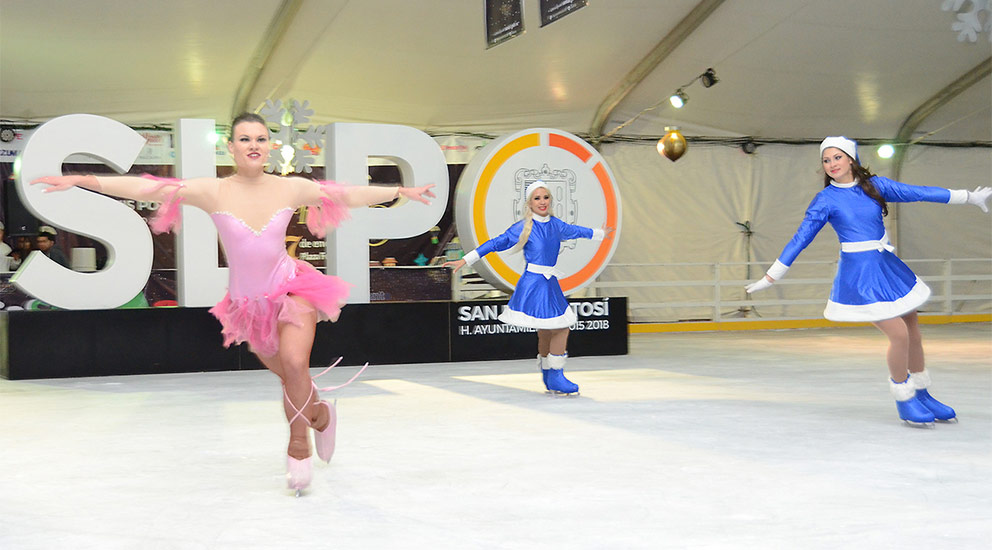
[(863, 175)]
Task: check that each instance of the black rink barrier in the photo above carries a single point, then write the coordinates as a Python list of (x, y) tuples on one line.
[(63, 344), (477, 334)]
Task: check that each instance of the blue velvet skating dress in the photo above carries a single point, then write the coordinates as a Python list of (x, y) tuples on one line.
[(537, 300), (872, 283)]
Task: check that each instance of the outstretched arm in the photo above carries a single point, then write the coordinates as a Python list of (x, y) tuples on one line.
[(311, 193), (140, 188), (896, 191), (816, 217), (329, 201)]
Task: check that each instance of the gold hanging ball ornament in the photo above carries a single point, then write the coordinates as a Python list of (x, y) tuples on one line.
[(673, 144)]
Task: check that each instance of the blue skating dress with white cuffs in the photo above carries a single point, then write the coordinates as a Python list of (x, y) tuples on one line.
[(872, 283), (537, 300)]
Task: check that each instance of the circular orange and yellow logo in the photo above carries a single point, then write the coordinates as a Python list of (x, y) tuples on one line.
[(490, 194)]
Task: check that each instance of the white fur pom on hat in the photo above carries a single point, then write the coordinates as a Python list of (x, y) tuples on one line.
[(536, 185), (842, 143)]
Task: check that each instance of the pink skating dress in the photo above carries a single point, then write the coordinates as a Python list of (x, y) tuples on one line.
[(263, 277)]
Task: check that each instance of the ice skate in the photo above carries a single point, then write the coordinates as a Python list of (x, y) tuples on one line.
[(324, 439), (941, 412), (557, 383), (298, 474), (911, 410), (544, 372), (298, 471)]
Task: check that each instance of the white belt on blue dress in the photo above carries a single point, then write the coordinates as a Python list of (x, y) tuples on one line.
[(548, 271), (865, 246)]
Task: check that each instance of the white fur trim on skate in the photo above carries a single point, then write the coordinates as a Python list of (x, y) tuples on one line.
[(557, 361), (879, 311), (902, 391), (920, 380), (511, 317)]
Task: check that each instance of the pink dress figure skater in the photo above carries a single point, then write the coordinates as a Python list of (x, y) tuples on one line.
[(274, 301)]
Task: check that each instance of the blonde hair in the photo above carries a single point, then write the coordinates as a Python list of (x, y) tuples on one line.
[(528, 216)]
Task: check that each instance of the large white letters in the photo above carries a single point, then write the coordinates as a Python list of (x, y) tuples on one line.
[(420, 161), (120, 229), (200, 282)]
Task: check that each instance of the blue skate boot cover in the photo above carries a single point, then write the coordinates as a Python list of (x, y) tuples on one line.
[(909, 407), (921, 381), (556, 376)]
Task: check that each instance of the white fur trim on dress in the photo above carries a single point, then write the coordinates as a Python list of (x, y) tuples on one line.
[(521, 319), (879, 311), (598, 235)]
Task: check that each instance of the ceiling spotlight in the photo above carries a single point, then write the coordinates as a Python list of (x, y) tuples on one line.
[(749, 147), (708, 78), (886, 151), (678, 99)]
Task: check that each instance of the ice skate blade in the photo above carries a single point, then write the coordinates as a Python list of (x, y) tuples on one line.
[(299, 493), (558, 394), (920, 425), (949, 420)]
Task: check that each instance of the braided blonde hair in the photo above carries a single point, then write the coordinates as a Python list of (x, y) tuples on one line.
[(528, 216)]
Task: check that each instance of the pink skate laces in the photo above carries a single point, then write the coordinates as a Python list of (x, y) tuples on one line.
[(332, 388)]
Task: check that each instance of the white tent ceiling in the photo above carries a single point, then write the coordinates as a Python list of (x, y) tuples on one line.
[(790, 69)]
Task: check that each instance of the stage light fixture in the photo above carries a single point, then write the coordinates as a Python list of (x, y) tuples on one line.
[(679, 98), (886, 151), (749, 147), (708, 78)]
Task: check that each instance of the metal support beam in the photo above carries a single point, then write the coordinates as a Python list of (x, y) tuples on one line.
[(913, 121), (273, 35), (660, 52)]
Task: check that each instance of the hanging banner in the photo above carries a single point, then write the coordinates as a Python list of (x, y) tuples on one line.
[(504, 20), (553, 10)]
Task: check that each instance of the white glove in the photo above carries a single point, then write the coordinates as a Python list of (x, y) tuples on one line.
[(979, 196), (760, 284)]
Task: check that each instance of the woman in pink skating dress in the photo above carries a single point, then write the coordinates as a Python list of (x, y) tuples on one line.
[(274, 301)]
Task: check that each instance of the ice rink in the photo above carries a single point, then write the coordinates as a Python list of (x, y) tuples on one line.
[(763, 439)]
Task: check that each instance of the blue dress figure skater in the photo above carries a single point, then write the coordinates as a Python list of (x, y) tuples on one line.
[(872, 284), (537, 300)]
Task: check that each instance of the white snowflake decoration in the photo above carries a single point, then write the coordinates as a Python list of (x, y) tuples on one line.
[(292, 154), (970, 23)]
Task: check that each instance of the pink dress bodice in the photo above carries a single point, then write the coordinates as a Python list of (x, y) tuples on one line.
[(258, 260)]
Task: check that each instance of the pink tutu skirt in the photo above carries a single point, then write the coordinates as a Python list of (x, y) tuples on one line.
[(256, 320)]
